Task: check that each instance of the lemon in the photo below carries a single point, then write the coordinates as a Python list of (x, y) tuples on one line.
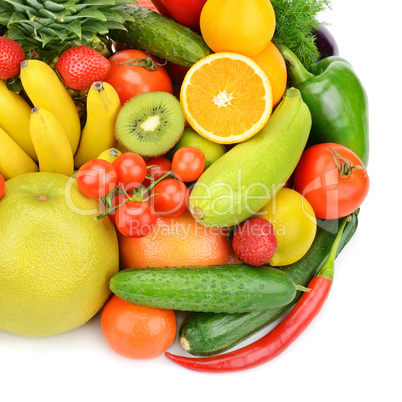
[(295, 225), (55, 258)]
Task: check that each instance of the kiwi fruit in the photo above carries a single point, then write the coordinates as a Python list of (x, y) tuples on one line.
[(211, 150), (150, 123)]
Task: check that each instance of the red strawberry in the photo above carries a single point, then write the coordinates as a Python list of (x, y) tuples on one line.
[(81, 66), (254, 242), (11, 55)]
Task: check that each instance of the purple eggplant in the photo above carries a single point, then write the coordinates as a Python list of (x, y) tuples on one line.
[(325, 42)]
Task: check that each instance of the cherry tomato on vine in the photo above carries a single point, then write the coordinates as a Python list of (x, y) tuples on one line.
[(133, 72), (160, 166), (170, 198), (115, 201), (333, 180), (188, 163), (96, 178), (2, 186), (135, 219), (131, 170)]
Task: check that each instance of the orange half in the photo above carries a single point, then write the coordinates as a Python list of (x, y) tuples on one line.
[(226, 97)]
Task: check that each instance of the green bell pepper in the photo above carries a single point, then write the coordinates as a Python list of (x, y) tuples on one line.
[(337, 102)]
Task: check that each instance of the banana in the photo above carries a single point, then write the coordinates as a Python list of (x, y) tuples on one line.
[(45, 90), (14, 161), (14, 119), (51, 143), (103, 105), (109, 154)]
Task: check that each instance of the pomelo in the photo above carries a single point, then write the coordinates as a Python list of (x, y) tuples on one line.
[(56, 259)]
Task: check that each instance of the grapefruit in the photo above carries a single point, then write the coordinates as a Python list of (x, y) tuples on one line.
[(177, 242), (55, 258)]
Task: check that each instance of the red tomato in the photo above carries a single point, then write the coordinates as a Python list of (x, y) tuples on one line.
[(160, 166), (134, 78), (96, 178), (131, 170), (188, 163), (135, 219), (2, 186), (177, 72), (333, 180), (170, 198)]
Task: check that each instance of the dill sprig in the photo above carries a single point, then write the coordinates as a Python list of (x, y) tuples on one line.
[(294, 22)]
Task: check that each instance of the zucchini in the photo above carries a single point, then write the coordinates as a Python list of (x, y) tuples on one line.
[(162, 37), (207, 334), (219, 288)]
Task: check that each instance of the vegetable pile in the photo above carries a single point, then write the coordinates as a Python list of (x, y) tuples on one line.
[(163, 109)]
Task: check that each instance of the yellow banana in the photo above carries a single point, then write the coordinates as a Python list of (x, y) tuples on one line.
[(14, 119), (109, 154), (14, 161), (50, 142), (45, 90), (103, 105)]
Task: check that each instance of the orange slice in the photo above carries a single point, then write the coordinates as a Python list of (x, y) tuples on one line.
[(226, 97)]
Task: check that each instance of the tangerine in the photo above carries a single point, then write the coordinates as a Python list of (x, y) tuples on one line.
[(135, 331), (177, 241)]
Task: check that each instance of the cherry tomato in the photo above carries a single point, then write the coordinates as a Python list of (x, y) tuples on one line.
[(170, 198), (118, 199), (160, 166), (96, 178), (188, 163), (2, 186), (333, 180), (135, 219), (134, 78), (131, 170)]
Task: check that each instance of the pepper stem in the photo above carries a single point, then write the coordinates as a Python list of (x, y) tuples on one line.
[(327, 270), (296, 71)]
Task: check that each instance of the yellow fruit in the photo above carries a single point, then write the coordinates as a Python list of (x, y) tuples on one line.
[(295, 226), (239, 26), (55, 258), (109, 155), (226, 97)]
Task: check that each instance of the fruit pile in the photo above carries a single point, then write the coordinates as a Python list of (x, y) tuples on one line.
[(167, 155)]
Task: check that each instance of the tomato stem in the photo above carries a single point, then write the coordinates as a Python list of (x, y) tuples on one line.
[(344, 167), (147, 63)]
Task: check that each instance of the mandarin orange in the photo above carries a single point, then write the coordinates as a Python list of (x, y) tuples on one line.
[(177, 242)]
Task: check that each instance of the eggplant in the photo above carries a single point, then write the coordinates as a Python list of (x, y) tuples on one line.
[(325, 42)]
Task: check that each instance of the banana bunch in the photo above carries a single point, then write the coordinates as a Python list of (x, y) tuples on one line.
[(50, 134)]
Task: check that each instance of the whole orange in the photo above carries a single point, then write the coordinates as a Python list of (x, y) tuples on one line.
[(273, 64), (137, 332), (177, 242)]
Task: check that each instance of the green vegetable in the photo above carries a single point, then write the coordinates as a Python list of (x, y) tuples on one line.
[(337, 102), (248, 176), (162, 37), (207, 334), (295, 20), (229, 288)]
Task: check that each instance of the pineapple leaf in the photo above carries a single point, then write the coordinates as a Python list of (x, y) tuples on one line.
[(115, 25), (53, 7), (124, 15), (95, 26), (74, 27), (47, 35), (91, 13), (35, 4), (112, 16), (47, 14)]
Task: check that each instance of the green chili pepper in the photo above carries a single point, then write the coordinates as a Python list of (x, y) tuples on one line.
[(336, 99)]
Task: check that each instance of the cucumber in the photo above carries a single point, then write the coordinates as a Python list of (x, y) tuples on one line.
[(208, 334), (248, 176), (162, 37), (219, 288)]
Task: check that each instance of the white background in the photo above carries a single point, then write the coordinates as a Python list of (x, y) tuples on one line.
[(351, 351)]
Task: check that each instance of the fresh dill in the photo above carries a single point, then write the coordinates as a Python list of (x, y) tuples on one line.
[(294, 22)]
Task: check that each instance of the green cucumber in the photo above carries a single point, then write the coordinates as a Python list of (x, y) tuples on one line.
[(208, 334), (248, 176), (219, 288), (161, 37)]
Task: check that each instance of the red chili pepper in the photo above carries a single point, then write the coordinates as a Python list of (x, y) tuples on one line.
[(277, 340)]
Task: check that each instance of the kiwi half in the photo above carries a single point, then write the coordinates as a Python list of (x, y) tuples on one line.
[(150, 123)]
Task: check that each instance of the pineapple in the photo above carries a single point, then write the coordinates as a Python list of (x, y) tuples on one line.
[(45, 28)]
